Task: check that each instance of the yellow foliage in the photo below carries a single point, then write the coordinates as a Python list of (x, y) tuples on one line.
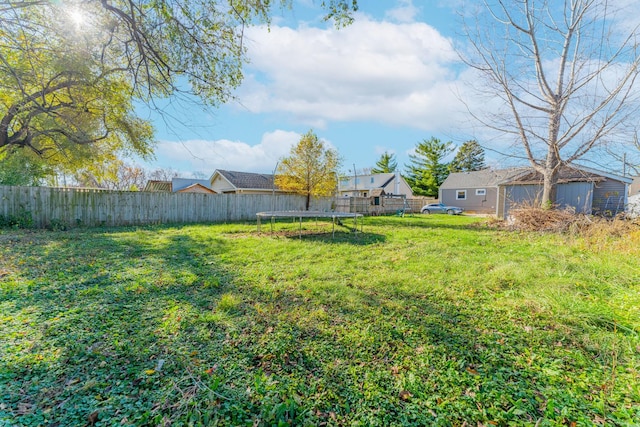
[(311, 169)]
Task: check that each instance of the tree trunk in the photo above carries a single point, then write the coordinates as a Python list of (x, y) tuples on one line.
[(549, 190), (550, 184)]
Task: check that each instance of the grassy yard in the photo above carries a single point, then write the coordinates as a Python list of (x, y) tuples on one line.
[(432, 320)]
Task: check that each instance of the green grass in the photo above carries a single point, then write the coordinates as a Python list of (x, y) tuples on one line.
[(431, 320)]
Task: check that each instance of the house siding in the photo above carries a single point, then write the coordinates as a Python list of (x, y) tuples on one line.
[(574, 194), (362, 185), (609, 197), (473, 203), (221, 185), (515, 195)]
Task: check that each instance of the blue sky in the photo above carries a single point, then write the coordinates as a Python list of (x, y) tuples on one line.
[(386, 82), (382, 84)]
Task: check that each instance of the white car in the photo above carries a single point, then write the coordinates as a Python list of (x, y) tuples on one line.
[(439, 208)]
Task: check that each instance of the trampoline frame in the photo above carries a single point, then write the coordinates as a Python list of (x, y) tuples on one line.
[(311, 214)]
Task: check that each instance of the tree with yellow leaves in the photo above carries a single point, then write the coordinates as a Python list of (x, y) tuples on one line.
[(311, 169)]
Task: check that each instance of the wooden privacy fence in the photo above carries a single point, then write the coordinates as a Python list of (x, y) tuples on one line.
[(71, 207), (384, 206)]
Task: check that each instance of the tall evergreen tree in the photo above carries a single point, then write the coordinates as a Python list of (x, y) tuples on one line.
[(386, 164), (427, 170), (470, 157)]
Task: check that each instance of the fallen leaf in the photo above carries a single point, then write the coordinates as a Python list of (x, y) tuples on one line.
[(150, 371), (405, 395), (93, 418)]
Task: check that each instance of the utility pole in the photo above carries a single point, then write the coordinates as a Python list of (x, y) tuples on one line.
[(355, 181)]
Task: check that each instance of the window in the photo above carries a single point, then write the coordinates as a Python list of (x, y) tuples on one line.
[(461, 195), (481, 192), (372, 180)]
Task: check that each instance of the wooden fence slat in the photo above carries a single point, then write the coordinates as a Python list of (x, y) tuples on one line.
[(90, 207)]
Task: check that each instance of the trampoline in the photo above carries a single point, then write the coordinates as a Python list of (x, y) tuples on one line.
[(310, 214)]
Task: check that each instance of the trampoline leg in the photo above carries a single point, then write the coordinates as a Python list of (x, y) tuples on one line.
[(333, 227)]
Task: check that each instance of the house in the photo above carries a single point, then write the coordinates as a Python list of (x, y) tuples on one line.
[(179, 185), (634, 188), (496, 191), (224, 181), (475, 191), (389, 184), (188, 185), (633, 205)]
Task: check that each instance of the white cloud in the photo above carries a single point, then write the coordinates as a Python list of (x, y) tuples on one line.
[(398, 74), (406, 12), (206, 156)]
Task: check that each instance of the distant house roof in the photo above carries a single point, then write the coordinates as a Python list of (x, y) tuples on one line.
[(573, 173), (179, 184), (196, 188), (242, 181), (247, 180), (566, 174), (154, 185), (523, 176), (480, 179)]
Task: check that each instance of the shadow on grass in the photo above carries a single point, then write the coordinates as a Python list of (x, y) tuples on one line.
[(107, 326), (156, 326), (339, 238)]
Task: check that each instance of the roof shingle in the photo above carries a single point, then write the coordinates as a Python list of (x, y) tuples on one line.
[(249, 180)]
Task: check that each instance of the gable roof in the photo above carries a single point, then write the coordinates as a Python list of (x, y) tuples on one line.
[(196, 188), (179, 184), (247, 180), (565, 175), (389, 181), (570, 173), (522, 176), (480, 179)]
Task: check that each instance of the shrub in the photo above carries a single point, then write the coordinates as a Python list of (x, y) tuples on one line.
[(22, 220)]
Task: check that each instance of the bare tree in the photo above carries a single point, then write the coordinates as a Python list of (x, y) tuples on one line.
[(564, 73), (629, 158), (161, 174), (116, 175)]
